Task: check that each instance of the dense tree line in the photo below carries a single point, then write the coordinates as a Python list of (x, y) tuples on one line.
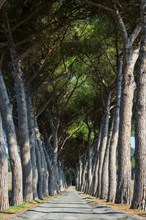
[(68, 73)]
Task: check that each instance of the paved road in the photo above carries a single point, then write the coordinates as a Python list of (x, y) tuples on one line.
[(72, 205)]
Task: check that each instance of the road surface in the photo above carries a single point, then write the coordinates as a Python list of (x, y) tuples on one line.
[(72, 205)]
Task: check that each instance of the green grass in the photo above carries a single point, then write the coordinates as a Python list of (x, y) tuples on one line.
[(15, 210)]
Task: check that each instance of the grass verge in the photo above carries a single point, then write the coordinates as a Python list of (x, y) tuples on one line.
[(17, 210)]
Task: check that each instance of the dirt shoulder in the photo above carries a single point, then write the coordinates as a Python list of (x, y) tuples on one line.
[(119, 207)]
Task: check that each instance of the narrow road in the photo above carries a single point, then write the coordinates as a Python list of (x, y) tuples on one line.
[(72, 205)]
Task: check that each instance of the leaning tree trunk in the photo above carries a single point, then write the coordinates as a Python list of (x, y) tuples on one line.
[(6, 109), (4, 198), (105, 168), (123, 194), (139, 196), (114, 142), (23, 126), (104, 137)]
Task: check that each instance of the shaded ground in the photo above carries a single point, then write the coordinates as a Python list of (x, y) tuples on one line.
[(72, 205)]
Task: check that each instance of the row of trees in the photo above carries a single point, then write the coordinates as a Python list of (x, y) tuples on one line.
[(102, 179), (66, 90), (36, 170)]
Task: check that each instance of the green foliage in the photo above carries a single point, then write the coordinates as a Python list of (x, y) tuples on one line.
[(73, 65), (70, 177)]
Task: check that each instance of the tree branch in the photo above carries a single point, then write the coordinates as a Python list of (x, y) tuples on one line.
[(135, 33), (99, 6), (2, 2)]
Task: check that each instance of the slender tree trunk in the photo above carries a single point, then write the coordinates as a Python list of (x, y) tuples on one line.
[(32, 138), (89, 166), (61, 176), (23, 126), (80, 173), (57, 176), (52, 178), (114, 142), (39, 165), (48, 161), (6, 109), (105, 168), (123, 194), (139, 196), (96, 161), (64, 184), (129, 59), (77, 176), (4, 198), (84, 168), (45, 172), (104, 138)]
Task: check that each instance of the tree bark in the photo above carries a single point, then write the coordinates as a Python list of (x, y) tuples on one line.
[(23, 126), (105, 170), (4, 198), (89, 166), (39, 164), (84, 168), (32, 138), (139, 196), (114, 142), (123, 194), (104, 138), (80, 173), (128, 85), (45, 171), (6, 109), (52, 179), (96, 161)]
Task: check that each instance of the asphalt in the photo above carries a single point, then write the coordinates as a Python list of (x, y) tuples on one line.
[(72, 205)]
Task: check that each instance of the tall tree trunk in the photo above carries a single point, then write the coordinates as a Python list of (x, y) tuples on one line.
[(123, 194), (96, 162), (139, 196), (45, 171), (77, 176), (114, 142), (39, 164), (104, 138), (61, 176), (57, 179), (23, 126), (32, 138), (105, 168), (89, 158), (48, 161), (80, 173), (52, 179), (4, 198), (6, 109), (84, 168), (128, 85)]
